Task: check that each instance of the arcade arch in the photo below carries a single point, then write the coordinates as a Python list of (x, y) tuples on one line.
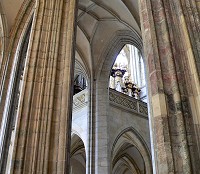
[(77, 156), (130, 153)]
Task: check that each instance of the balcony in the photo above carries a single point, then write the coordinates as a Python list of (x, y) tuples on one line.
[(117, 99), (128, 103)]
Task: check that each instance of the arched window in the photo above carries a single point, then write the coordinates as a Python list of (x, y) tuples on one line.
[(128, 74)]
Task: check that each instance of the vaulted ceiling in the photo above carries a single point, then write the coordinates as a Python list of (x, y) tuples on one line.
[(10, 9), (97, 21)]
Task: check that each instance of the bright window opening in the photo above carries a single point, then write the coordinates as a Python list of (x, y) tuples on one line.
[(128, 74)]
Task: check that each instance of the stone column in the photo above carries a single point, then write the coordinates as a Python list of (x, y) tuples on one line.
[(190, 10), (43, 123), (189, 22), (4, 39), (164, 36)]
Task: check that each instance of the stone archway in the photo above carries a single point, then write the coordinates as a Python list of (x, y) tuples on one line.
[(130, 153), (108, 57), (77, 156)]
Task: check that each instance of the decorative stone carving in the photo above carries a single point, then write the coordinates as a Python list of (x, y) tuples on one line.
[(143, 108), (80, 100), (128, 102)]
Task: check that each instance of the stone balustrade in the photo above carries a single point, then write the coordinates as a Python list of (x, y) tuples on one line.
[(128, 103), (116, 98)]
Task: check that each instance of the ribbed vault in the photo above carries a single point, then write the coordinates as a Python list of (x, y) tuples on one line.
[(77, 156), (98, 21), (130, 154)]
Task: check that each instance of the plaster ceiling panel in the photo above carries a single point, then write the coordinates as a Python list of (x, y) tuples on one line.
[(102, 38), (135, 154), (121, 12), (80, 12), (85, 4), (87, 23), (78, 57), (101, 13), (11, 9), (133, 7), (83, 48)]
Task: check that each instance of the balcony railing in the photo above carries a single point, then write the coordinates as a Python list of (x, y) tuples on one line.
[(117, 99), (128, 103), (80, 100)]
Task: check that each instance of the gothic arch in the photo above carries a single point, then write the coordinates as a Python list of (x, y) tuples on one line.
[(101, 80), (76, 135), (15, 88), (3, 34), (81, 100), (18, 31), (13, 47), (125, 164), (77, 155), (80, 69), (118, 40), (136, 134), (130, 137), (15, 54)]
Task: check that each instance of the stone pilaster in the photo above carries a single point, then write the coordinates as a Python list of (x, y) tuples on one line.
[(44, 117)]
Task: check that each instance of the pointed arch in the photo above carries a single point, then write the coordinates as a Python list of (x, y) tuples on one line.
[(130, 138)]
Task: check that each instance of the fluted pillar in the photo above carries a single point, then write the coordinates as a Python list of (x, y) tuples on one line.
[(3, 53), (189, 22), (167, 49), (43, 122)]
